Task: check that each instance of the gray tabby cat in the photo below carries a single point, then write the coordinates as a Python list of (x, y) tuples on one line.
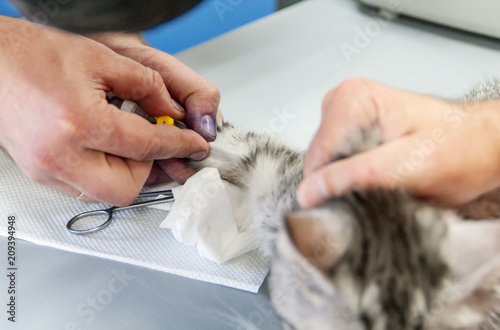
[(368, 259)]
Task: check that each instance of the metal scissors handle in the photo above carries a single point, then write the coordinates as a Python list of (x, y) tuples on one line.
[(108, 213)]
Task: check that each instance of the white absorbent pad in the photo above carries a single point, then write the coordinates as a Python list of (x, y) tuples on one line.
[(208, 214), (134, 236)]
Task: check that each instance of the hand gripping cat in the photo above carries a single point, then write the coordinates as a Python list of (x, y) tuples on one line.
[(365, 260)]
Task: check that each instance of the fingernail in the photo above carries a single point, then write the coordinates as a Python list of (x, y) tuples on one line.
[(322, 190), (311, 193), (302, 197), (178, 107), (199, 155), (208, 124)]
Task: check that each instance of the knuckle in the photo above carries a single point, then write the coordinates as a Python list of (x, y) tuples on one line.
[(125, 199), (206, 97), (157, 80), (152, 58), (213, 93), (68, 123), (187, 143), (194, 141), (352, 88), (329, 101), (115, 193), (153, 80), (44, 164), (367, 176), (355, 102), (41, 164), (150, 149), (354, 83)]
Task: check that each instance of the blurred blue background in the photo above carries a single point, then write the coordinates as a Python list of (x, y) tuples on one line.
[(8, 9), (206, 21)]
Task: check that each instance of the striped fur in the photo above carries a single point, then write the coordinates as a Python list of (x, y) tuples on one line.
[(366, 260)]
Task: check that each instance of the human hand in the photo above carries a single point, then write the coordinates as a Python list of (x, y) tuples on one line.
[(435, 149), (56, 124), (198, 96)]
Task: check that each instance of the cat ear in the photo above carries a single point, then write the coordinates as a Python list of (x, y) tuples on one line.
[(320, 235), (470, 244)]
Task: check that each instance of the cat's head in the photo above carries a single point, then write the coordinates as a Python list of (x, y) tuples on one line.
[(380, 260)]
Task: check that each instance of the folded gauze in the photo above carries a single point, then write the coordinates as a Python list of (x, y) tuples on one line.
[(207, 213)]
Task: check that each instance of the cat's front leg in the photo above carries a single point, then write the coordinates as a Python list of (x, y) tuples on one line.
[(228, 153), (265, 170)]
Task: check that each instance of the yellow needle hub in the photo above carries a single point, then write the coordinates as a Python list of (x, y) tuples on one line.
[(164, 120)]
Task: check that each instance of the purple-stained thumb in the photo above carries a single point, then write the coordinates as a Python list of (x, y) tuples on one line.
[(201, 112), (203, 124)]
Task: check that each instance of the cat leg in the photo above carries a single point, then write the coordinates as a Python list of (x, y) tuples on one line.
[(265, 171)]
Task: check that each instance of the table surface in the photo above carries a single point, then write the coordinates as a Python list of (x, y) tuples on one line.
[(272, 75)]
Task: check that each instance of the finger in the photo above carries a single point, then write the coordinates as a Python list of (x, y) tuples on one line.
[(199, 97), (108, 179), (127, 135), (157, 176), (388, 166), (359, 103), (62, 186), (132, 81), (100, 177), (345, 108), (201, 114), (176, 169)]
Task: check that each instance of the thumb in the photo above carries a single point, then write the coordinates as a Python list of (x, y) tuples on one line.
[(202, 110), (379, 167)]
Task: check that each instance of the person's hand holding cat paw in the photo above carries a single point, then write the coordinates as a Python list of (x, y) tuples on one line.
[(189, 91), (436, 149), (56, 124)]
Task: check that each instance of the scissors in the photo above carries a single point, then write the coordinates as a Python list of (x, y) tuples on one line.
[(107, 214)]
